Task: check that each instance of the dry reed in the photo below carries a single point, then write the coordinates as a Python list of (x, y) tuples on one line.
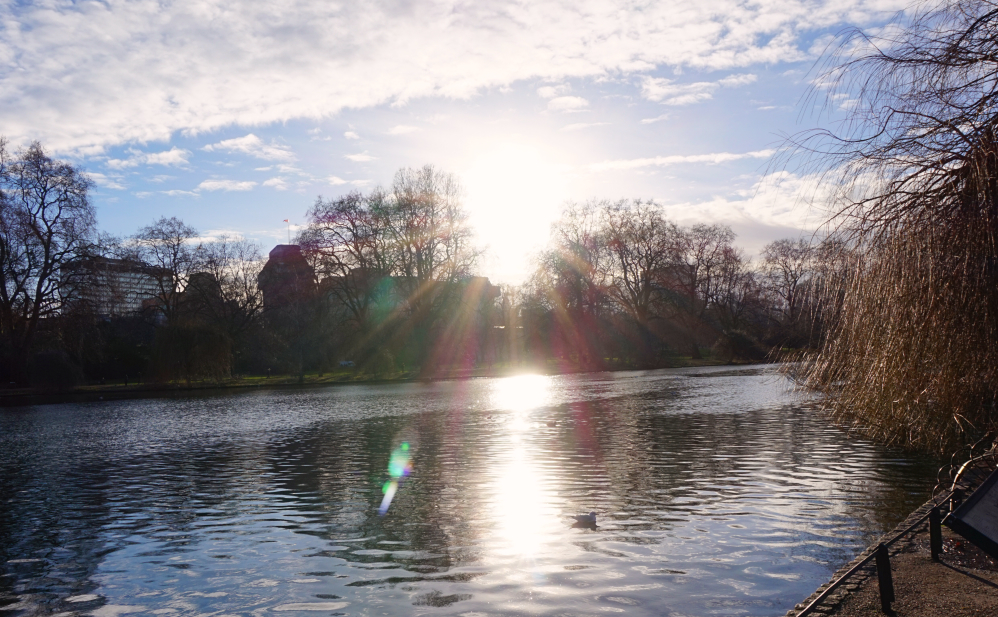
[(911, 352)]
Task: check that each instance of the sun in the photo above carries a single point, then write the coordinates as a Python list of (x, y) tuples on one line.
[(514, 192)]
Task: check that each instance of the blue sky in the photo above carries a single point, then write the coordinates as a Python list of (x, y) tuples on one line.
[(235, 115)]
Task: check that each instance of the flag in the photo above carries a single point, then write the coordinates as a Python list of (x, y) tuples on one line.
[(286, 221)]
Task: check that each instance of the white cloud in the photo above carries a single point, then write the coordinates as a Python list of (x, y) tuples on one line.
[(351, 135), (662, 90), (225, 185), (665, 161), (179, 193), (337, 181), (215, 234), (578, 126), (655, 119), (173, 156), (668, 92), (84, 75), (108, 182), (402, 129), (363, 157), (278, 183), (549, 92), (253, 146), (568, 103), (733, 81), (780, 200)]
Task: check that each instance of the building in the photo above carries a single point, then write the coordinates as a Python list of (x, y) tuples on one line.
[(286, 278), (113, 287)]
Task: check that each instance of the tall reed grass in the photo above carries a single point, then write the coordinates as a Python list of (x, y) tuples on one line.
[(910, 355)]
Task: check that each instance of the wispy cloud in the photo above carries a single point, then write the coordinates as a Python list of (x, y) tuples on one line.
[(578, 126), (402, 129), (665, 161), (363, 157), (86, 75), (568, 103), (108, 182), (668, 92), (733, 81), (549, 92), (337, 181), (174, 156), (655, 119), (781, 200), (351, 135), (215, 234), (252, 145), (225, 185), (277, 183)]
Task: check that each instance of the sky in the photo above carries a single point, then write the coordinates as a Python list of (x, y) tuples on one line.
[(235, 115)]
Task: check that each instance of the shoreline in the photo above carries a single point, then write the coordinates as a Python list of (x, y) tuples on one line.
[(922, 587), (26, 397)]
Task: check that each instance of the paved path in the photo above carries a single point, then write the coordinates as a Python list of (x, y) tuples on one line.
[(964, 583), (950, 588)]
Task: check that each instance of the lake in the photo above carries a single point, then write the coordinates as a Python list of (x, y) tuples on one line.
[(717, 492)]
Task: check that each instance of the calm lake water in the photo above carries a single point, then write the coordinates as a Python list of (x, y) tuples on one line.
[(715, 495)]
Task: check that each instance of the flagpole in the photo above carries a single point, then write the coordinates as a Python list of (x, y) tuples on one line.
[(288, 221)]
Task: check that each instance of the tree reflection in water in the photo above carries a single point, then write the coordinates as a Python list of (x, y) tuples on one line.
[(714, 492)]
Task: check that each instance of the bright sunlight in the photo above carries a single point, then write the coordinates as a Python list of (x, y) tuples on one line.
[(515, 191)]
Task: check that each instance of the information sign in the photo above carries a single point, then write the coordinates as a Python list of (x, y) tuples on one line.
[(977, 518)]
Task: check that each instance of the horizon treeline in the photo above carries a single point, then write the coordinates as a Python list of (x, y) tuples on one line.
[(385, 283)]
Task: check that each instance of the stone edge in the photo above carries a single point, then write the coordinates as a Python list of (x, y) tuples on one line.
[(832, 602)]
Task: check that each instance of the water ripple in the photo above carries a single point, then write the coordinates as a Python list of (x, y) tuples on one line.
[(715, 493)]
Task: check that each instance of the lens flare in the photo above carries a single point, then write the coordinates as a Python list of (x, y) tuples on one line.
[(399, 467)]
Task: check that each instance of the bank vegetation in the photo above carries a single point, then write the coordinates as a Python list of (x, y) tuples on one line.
[(911, 354)]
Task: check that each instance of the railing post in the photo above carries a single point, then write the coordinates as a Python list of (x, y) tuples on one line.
[(935, 533), (884, 578)]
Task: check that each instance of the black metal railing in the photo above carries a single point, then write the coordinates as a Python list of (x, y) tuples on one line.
[(881, 555), (956, 481)]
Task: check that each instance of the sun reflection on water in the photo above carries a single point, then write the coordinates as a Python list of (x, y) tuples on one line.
[(521, 393), (525, 515)]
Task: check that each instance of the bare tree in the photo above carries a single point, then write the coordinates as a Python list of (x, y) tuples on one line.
[(46, 220), (640, 240), (428, 228), (172, 246), (734, 291), (697, 258), (788, 267), (346, 240), (230, 296), (572, 281)]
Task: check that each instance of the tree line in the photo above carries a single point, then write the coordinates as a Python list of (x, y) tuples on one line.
[(620, 285), (384, 282)]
